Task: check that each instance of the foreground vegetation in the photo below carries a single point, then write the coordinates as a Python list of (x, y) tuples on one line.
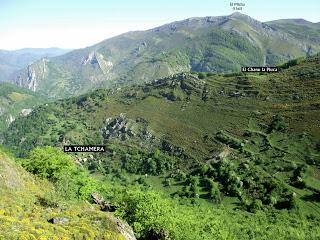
[(150, 213), (30, 203)]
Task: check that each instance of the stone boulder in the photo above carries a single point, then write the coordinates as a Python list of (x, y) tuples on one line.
[(104, 205), (58, 220)]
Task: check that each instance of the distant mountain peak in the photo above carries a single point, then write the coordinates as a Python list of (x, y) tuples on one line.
[(206, 21), (243, 17), (236, 14)]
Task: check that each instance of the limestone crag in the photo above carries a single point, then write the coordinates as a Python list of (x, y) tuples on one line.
[(124, 128)]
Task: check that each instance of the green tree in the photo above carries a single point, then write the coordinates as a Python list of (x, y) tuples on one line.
[(255, 205), (201, 75), (48, 162), (145, 211), (214, 191), (58, 167), (278, 124)]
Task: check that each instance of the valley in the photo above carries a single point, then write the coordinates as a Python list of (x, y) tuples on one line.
[(240, 142)]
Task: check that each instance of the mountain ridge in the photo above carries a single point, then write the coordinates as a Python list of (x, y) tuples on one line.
[(209, 44), (14, 60)]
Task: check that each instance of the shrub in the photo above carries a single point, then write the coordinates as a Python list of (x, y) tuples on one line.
[(210, 74), (201, 75), (278, 124), (214, 191), (144, 211), (297, 178), (48, 162), (58, 167), (290, 63), (255, 205)]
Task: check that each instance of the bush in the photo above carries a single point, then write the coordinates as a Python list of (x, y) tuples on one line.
[(278, 124), (144, 211), (48, 162), (201, 75), (210, 74), (194, 186), (154, 163), (297, 178), (290, 63), (58, 167), (255, 205), (214, 191)]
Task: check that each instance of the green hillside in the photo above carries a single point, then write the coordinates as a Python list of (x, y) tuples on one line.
[(210, 44), (299, 28), (31, 207), (15, 101), (242, 147)]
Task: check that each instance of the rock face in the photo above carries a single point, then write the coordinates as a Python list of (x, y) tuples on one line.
[(95, 58), (12, 61), (124, 228), (33, 76), (124, 128), (90, 59)]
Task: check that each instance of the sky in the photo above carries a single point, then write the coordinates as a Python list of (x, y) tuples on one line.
[(80, 23)]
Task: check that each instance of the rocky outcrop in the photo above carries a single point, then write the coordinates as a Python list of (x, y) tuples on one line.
[(186, 81), (95, 58), (124, 228), (10, 119), (121, 226), (25, 112), (124, 128), (33, 75), (180, 86), (58, 220), (172, 149), (104, 205)]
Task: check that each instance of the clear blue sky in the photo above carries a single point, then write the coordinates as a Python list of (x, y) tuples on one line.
[(80, 23)]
